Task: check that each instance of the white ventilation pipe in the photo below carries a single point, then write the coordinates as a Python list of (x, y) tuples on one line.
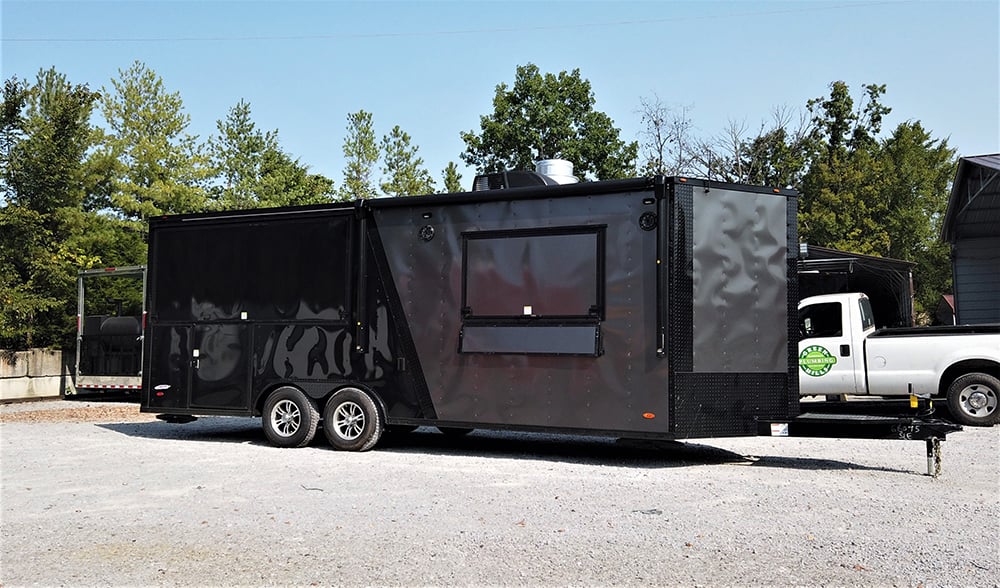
[(560, 170)]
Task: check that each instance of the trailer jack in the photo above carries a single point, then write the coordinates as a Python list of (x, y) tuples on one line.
[(934, 456)]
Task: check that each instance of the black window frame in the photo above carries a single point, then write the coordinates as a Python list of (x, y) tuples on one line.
[(559, 335), (822, 309), (597, 310), (867, 316)]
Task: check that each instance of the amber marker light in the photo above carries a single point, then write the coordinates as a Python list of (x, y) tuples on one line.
[(648, 415)]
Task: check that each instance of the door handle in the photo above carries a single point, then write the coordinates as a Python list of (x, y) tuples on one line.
[(845, 351)]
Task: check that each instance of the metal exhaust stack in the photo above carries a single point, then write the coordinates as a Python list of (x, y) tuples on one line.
[(559, 170)]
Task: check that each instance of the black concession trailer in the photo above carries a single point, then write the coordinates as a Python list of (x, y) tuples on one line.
[(655, 307)]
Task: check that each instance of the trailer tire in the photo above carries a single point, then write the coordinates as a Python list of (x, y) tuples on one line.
[(974, 399), (352, 421), (290, 418)]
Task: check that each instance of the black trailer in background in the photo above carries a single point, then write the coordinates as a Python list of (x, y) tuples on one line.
[(110, 321), (656, 307)]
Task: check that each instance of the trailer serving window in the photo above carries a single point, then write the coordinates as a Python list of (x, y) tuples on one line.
[(533, 291), (290, 268)]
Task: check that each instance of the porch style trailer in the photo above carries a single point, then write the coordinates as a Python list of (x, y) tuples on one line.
[(109, 330), (655, 308)]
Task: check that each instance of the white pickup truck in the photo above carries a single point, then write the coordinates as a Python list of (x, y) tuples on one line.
[(841, 353)]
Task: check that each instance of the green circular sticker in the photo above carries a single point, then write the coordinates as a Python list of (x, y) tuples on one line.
[(816, 360)]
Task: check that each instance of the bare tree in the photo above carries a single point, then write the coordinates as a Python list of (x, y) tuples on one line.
[(665, 139), (778, 154)]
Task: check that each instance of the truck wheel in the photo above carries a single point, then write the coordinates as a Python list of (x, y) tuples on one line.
[(351, 420), (974, 399), (290, 418)]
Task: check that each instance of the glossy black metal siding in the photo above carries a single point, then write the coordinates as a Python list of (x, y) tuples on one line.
[(266, 299), (606, 392), (240, 300)]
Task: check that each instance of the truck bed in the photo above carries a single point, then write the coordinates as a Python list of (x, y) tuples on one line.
[(937, 331)]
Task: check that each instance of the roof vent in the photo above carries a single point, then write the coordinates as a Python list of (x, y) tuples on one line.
[(559, 170), (510, 179), (548, 172)]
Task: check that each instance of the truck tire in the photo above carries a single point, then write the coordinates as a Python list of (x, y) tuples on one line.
[(352, 421), (974, 399), (290, 418)]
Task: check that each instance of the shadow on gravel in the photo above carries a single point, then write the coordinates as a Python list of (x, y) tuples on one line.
[(210, 429), (808, 463), (560, 448), (598, 451)]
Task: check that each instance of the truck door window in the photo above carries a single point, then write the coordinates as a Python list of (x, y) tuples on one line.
[(867, 316), (821, 320)]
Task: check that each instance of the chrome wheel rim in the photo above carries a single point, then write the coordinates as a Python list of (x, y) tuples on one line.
[(978, 400), (349, 420), (286, 418)]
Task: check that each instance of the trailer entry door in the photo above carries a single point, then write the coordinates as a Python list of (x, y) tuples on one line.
[(219, 366)]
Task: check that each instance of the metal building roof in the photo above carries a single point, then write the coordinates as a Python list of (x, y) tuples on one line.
[(974, 206)]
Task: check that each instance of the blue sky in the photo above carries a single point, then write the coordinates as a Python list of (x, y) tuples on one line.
[(432, 67)]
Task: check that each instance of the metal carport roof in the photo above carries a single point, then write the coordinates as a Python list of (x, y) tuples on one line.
[(974, 206)]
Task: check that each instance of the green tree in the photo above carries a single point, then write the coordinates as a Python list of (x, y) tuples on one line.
[(842, 205), (155, 166), (917, 174), (874, 195), (451, 178), (252, 171), (361, 154), (548, 116), (15, 96), (46, 134), (404, 171)]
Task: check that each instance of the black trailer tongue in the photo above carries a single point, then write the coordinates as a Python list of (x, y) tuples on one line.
[(859, 426)]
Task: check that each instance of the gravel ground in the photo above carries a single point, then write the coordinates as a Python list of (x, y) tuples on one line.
[(98, 494)]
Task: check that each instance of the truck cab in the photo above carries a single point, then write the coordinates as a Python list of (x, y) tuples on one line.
[(832, 330), (841, 353)]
